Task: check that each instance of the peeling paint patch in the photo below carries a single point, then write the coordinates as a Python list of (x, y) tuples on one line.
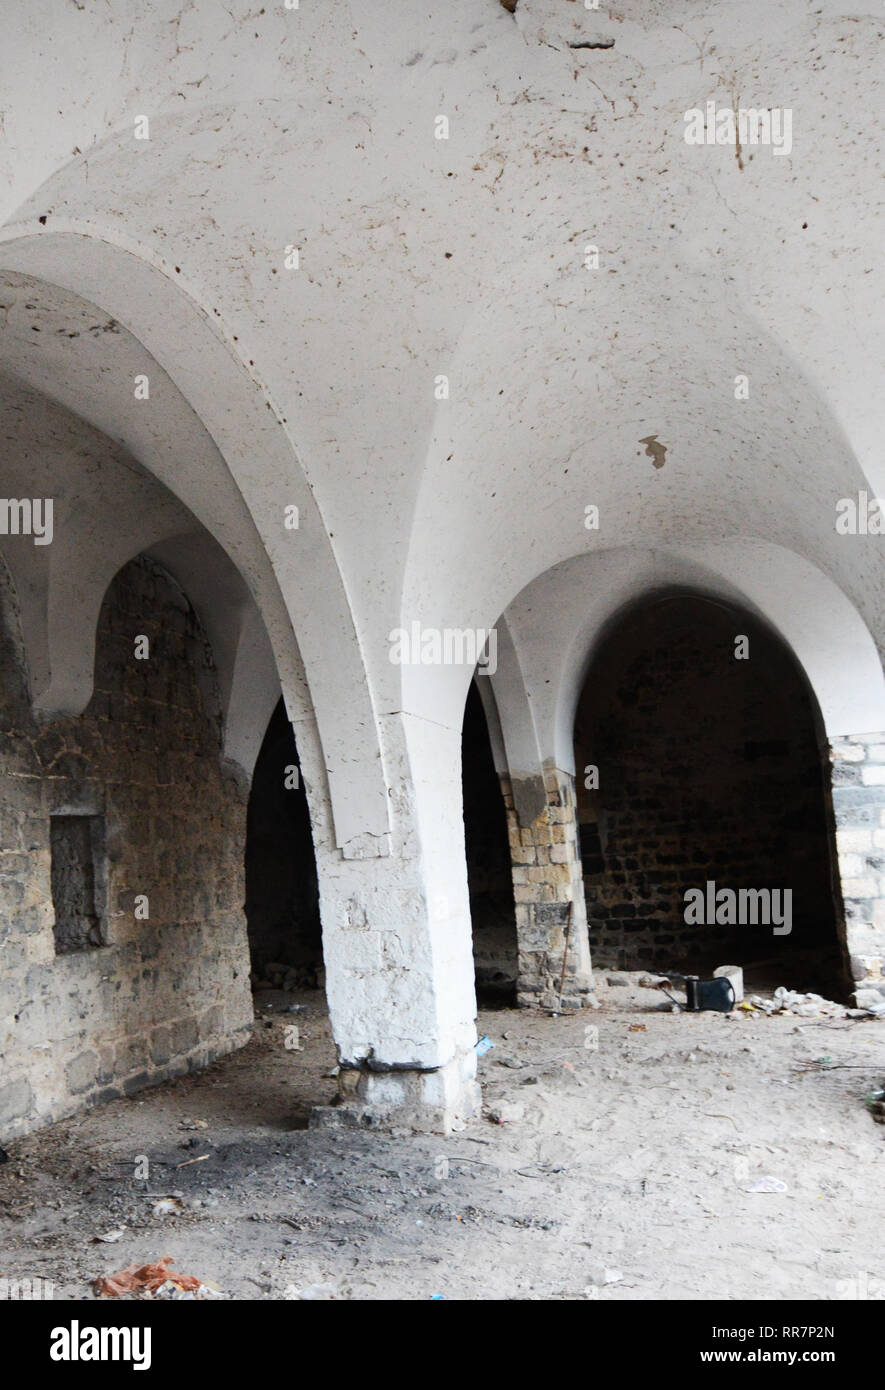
[(529, 798), (656, 451)]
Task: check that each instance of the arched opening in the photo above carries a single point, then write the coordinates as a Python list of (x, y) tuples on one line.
[(207, 421), (282, 894), (487, 848), (703, 802), (134, 885), (151, 726)]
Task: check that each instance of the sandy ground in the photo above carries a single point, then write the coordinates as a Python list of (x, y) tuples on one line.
[(629, 1152)]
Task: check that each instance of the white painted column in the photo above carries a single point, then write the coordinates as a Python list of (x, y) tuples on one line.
[(397, 944)]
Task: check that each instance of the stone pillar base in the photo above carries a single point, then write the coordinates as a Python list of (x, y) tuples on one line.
[(858, 782), (547, 881), (433, 1101)]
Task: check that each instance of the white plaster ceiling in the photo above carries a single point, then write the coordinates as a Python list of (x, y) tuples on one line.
[(419, 257)]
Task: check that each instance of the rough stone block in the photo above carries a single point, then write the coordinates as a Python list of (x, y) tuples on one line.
[(81, 1072), (16, 1100)]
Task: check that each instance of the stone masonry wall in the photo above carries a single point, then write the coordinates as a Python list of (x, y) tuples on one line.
[(709, 769), (163, 994), (858, 774), (546, 878)]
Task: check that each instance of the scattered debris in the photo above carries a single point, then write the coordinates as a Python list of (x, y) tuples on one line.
[(809, 1005), (111, 1237), (507, 1113), (175, 1292), (483, 1046), (870, 999), (876, 1104), (767, 1184), (149, 1278), (821, 1064), (816, 1064), (601, 1276), (541, 1170), (166, 1206), (595, 43), (537, 1169), (716, 995)]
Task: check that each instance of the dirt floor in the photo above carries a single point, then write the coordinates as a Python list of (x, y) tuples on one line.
[(617, 1168)]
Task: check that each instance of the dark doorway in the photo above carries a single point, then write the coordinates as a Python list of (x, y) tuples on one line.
[(487, 848), (282, 895), (709, 771)]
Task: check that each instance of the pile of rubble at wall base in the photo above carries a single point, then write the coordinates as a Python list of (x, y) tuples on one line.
[(870, 1003)]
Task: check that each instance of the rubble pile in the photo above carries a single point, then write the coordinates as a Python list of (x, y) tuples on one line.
[(870, 1002)]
